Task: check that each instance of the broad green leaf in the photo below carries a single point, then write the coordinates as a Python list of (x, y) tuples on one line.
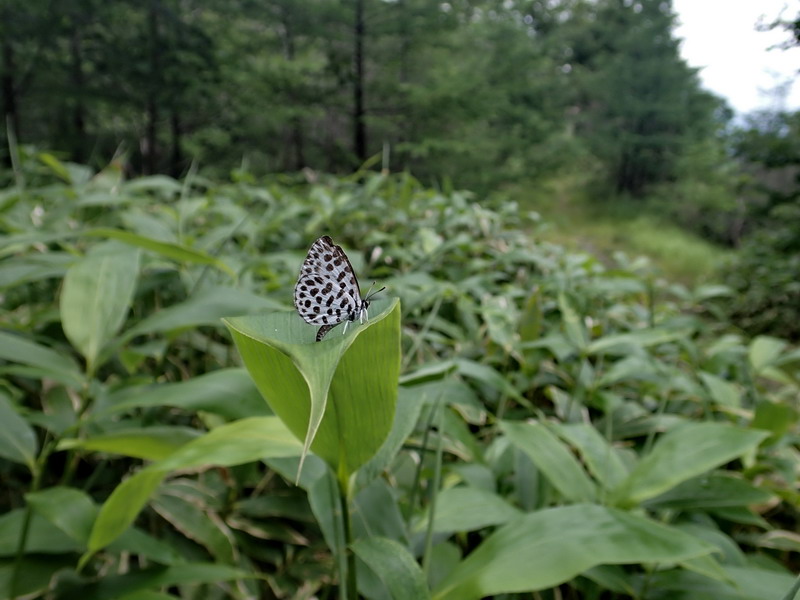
[(488, 376), (206, 307), (625, 343), (193, 519), (25, 269), (167, 186), (395, 566), (551, 546), (632, 368), (47, 362), (56, 166), (764, 351), (148, 443), (17, 438), (715, 490), (61, 522), (43, 537), (574, 329), (337, 395), (114, 587), (232, 444), (31, 574), (376, 512), (227, 392), (428, 372), (409, 406), (747, 583), (96, 298), (176, 252), (461, 509), (600, 456), (682, 453), (775, 417), (71, 510), (553, 458), (121, 508), (724, 393)]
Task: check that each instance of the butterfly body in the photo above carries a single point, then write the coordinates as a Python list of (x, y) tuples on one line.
[(327, 291)]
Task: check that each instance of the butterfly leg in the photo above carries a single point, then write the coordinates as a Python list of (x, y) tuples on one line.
[(346, 323), (322, 331)]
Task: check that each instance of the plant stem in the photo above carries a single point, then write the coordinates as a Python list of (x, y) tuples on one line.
[(437, 480), (349, 585), (36, 483)]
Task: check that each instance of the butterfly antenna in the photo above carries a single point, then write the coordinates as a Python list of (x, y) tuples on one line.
[(371, 294)]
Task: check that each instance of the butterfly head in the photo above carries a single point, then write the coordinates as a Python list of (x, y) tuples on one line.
[(362, 313)]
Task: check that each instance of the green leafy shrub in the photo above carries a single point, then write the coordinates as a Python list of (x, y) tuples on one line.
[(765, 277), (560, 426)]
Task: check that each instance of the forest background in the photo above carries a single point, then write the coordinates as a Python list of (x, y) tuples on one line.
[(576, 106)]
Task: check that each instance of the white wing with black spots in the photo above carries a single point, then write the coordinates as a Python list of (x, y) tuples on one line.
[(327, 291)]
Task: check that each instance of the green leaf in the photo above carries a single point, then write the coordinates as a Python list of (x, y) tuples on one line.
[(625, 343), (395, 566), (18, 270), (552, 546), (600, 457), (775, 417), (114, 587), (553, 458), (206, 307), (684, 452), (185, 513), (31, 574), (409, 406), (467, 509), (715, 490), (747, 583), (176, 252), (43, 537), (724, 393), (227, 392), (17, 438), (232, 444), (71, 510), (97, 296), (49, 363), (632, 368), (149, 443), (574, 329), (764, 351), (337, 395)]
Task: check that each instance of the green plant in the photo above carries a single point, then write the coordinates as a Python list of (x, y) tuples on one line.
[(561, 427)]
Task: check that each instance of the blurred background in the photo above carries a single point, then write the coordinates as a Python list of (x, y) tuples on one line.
[(597, 113)]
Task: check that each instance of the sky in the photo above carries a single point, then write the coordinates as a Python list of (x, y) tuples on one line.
[(720, 37)]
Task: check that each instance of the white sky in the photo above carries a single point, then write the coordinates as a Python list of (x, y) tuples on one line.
[(720, 36)]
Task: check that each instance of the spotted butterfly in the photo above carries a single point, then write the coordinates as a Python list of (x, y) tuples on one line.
[(327, 291)]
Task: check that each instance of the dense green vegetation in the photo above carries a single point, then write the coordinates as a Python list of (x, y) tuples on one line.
[(569, 99), (533, 409), (542, 393)]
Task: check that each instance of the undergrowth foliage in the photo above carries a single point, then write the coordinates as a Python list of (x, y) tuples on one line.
[(560, 423)]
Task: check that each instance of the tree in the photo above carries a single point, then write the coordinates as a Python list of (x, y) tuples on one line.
[(642, 105)]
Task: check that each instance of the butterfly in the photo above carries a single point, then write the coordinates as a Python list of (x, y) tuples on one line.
[(327, 291)]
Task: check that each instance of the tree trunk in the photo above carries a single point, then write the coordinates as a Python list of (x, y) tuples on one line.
[(78, 110), (359, 126), (176, 166), (149, 150), (296, 124), (9, 88)]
